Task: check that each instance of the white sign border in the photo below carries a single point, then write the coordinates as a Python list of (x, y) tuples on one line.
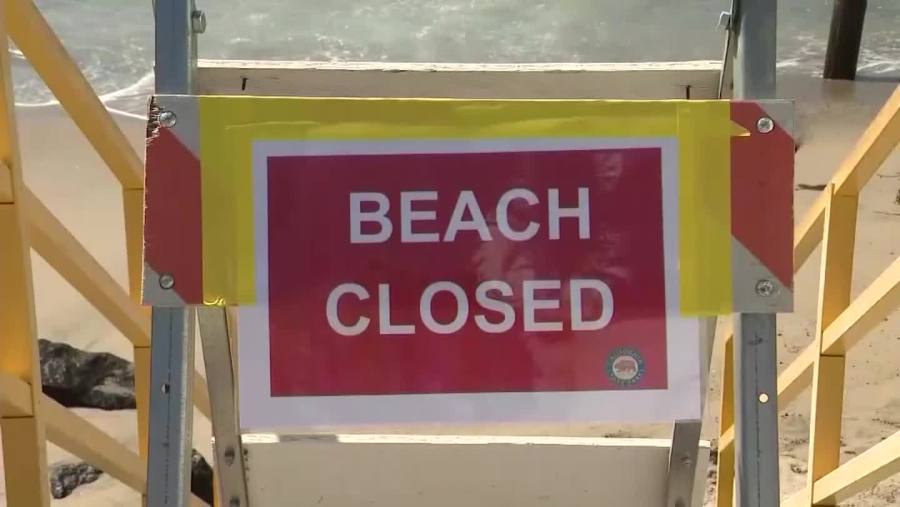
[(260, 411)]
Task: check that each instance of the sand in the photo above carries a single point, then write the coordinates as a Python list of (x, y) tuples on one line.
[(67, 175)]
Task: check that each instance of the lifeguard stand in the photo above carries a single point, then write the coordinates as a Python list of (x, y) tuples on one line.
[(495, 470)]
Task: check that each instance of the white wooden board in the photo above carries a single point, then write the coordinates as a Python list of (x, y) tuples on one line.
[(445, 471), (645, 80)]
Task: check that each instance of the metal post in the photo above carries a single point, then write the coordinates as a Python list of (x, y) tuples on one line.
[(177, 24), (756, 396), (171, 407), (754, 22), (756, 410), (172, 329)]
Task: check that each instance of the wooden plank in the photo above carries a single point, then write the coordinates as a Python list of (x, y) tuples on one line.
[(142, 395), (873, 147), (795, 500), (78, 436), (6, 191), (25, 452), (725, 463), (797, 376), (49, 58), (18, 329), (860, 473), (25, 462), (825, 419), (14, 401), (133, 208), (651, 80), (868, 310), (66, 255), (201, 395), (836, 270), (808, 232), (835, 279), (454, 470)]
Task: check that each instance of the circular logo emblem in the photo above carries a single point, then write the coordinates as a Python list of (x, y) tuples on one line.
[(625, 366)]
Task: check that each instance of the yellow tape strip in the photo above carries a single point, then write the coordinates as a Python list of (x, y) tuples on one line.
[(229, 124), (704, 196)]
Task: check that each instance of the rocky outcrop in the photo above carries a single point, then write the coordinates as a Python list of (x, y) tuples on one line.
[(76, 378), (65, 477)]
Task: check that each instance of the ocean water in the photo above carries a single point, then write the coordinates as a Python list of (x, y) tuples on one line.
[(112, 41)]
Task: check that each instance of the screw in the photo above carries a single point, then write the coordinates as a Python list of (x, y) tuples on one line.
[(198, 21), (686, 460), (164, 388), (763, 398), (766, 288), (765, 125), (234, 502), (229, 456), (167, 118), (166, 281)]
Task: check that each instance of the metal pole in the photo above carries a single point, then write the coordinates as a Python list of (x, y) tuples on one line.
[(177, 24), (171, 407), (755, 22), (172, 329), (756, 410), (756, 396)]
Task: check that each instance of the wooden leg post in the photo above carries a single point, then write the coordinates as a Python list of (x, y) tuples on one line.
[(133, 207), (725, 463), (828, 370), (24, 444), (844, 39)]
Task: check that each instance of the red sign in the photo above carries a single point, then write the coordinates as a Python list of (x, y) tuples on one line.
[(517, 271)]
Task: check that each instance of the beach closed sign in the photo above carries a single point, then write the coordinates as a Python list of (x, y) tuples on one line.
[(449, 261)]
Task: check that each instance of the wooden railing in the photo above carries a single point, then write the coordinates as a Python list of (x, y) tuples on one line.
[(841, 324), (27, 417)]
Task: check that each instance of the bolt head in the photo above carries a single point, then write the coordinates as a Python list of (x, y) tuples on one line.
[(765, 125), (166, 281), (234, 502), (229, 456), (766, 288), (167, 119), (198, 21)]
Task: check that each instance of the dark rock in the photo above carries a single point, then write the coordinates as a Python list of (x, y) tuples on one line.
[(65, 477), (201, 478), (76, 378)]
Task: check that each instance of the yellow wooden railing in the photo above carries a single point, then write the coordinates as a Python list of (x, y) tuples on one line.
[(841, 324), (27, 417)]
